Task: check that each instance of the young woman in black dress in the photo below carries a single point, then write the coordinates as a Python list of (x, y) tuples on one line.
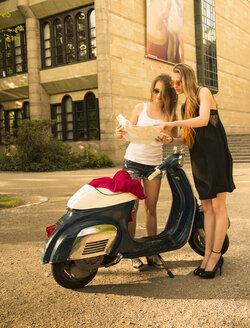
[(211, 161)]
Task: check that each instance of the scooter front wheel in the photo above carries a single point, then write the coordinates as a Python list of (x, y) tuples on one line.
[(197, 242), (67, 275)]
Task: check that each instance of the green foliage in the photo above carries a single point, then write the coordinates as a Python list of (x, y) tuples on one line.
[(10, 33), (38, 151), (7, 141), (5, 15)]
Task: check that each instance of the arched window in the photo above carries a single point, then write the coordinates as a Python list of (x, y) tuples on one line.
[(26, 110), (92, 116), (81, 132), (18, 118), (47, 45), (13, 55), (18, 53), (69, 40), (72, 37), (58, 42), (68, 118), (56, 116), (12, 120), (92, 34), (78, 120), (81, 36), (63, 116)]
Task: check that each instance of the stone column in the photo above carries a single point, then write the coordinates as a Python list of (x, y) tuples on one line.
[(104, 76), (38, 97)]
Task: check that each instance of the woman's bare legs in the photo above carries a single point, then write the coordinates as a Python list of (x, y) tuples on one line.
[(132, 224), (152, 189), (220, 229), (136, 262), (209, 225)]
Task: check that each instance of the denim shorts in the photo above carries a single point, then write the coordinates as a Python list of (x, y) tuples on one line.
[(139, 171)]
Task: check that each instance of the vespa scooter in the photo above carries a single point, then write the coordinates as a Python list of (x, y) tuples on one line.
[(94, 231)]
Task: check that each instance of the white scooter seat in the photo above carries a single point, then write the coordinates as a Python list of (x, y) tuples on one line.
[(90, 197)]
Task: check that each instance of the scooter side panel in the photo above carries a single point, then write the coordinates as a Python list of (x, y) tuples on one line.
[(93, 241), (57, 248)]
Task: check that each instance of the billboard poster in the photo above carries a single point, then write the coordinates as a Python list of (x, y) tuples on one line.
[(164, 30)]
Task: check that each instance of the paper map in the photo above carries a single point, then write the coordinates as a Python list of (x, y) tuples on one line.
[(139, 134)]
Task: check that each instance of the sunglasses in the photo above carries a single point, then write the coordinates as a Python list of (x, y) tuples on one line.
[(177, 83)]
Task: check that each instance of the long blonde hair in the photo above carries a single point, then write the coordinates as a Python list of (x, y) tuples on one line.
[(169, 99), (190, 88)]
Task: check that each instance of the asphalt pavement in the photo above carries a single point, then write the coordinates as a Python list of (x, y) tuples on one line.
[(117, 297)]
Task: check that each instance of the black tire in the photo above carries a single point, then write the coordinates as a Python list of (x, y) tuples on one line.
[(62, 275), (197, 242)]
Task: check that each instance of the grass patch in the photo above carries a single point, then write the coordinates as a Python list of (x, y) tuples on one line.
[(7, 202)]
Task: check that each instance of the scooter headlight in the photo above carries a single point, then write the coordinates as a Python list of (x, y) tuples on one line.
[(181, 159)]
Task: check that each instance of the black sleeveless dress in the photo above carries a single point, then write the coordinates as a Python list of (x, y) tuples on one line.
[(211, 160)]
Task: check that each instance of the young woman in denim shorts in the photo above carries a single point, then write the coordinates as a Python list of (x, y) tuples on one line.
[(140, 159)]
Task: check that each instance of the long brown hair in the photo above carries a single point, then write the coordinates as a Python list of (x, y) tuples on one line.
[(169, 99), (190, 88)]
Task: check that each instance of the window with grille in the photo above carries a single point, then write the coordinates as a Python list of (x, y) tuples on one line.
[(11, 120), (78, 120), (13, 55), (68, 37), (205, 35)]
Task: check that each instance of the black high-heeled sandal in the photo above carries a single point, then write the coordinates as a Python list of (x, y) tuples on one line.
[(211, 274), (198, 271)]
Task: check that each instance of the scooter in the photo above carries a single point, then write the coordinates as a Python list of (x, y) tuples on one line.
[(94, 231)]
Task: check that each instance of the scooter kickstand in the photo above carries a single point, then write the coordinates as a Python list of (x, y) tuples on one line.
[(165, 266)]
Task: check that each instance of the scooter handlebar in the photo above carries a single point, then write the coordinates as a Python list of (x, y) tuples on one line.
[(154, 174), (175, 160)]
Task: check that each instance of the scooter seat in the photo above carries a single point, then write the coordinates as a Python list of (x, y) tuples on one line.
[(90, 197)]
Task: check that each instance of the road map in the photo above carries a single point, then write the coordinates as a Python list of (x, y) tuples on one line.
[(139, 134)]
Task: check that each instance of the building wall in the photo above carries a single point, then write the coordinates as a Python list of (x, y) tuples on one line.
[(232, 18), (132, 72), (121, 76)]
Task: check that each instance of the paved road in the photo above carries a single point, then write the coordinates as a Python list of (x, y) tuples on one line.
[(117, 297)]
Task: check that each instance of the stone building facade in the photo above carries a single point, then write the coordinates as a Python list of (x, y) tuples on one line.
[(84, 62)]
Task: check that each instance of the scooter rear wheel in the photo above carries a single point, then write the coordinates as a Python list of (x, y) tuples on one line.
[(197, 242), (62, 274)]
